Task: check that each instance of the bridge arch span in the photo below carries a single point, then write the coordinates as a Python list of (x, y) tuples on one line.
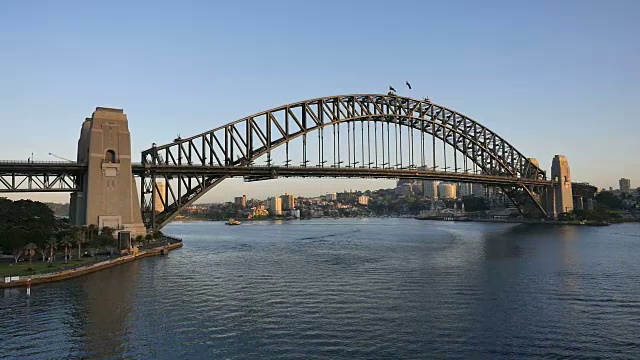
[(242, 142)]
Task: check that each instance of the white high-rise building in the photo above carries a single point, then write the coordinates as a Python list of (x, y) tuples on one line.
[(275, 206), (332, 197)]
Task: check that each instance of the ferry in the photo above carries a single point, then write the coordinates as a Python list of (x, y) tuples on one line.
[(233, 222)]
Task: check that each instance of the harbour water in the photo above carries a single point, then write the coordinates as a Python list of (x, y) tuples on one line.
[(346, 289)]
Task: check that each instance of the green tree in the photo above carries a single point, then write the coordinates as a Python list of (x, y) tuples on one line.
[(52, 245), (15, 240), (474, 203), (30, 250), (91, 233), (106, 237), (108, 231), (609, 200), (78, 236), (24, 221), (67, 244)]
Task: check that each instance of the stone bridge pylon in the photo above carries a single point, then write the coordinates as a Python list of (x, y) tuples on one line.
[(107, 193)]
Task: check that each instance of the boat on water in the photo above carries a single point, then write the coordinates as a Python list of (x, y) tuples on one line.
[(233, 222)]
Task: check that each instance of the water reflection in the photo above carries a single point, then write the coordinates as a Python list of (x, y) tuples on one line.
[(346, 289), (570, 259), (105, 304)]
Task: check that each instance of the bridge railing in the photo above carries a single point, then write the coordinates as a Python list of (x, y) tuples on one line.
[(36, 162)]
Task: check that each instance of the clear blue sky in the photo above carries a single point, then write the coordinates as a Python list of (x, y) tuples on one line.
[(552, 77)]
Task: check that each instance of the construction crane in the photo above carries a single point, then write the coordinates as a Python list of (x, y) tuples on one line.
[(60, 157)]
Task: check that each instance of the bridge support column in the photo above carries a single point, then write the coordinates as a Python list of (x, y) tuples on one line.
[(108, 195), (561, 178), (578, 203), (550, 202), (589, 203)]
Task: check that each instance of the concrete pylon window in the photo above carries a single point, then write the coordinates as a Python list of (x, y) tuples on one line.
[(110, 156)]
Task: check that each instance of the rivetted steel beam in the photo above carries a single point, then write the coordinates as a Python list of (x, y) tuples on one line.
[(336, 172)]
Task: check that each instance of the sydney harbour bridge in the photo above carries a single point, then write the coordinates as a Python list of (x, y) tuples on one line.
[(345, 136)]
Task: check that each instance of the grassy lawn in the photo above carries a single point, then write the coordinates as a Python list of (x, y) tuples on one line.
[(39, 267)]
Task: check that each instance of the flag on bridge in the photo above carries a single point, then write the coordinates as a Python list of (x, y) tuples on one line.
[(408, 85), (392, 89)]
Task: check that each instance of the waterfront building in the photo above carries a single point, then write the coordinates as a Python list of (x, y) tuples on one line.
[(401, 182), (625, 185), (404, 189), (241, 200), (447, 191), (418, 187), (288, 202), (259, 210), (464, 189), (332, 197), (430, 189), (275, 206), (477, 190), (363, 200)]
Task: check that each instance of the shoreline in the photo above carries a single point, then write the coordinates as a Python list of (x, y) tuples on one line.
[(516, 221), (439, 218), (88, 269)]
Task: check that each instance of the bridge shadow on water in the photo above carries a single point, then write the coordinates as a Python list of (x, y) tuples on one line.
[(515, 241)]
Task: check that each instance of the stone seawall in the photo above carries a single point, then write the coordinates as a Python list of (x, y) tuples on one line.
[(71, 273)]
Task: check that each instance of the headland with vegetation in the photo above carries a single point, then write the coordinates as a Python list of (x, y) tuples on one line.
[(33, 242)]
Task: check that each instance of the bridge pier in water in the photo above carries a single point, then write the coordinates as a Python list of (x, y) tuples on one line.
[(108, 194)]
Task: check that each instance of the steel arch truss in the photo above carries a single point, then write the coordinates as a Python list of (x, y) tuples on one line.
[(241, 142), (14, 182)]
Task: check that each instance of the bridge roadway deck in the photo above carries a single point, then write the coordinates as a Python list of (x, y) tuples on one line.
[(272, 172), (25, 168), (44, 167)]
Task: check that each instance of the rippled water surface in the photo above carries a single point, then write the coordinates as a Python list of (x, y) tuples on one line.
[(347, 289)]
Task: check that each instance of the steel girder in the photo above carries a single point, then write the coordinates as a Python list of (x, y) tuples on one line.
[(241, 142), (13, 182), (44, 176)]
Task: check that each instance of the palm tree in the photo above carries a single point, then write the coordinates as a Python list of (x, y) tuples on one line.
[(66, 243), (79, 237), (30, 249), (140, 239), (108, 232), (91, 231), (52, 244)]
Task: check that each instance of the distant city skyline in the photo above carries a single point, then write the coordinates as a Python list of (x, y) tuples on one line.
[(532, 75)]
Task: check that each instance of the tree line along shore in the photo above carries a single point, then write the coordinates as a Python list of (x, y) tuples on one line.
[(34, 241)]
